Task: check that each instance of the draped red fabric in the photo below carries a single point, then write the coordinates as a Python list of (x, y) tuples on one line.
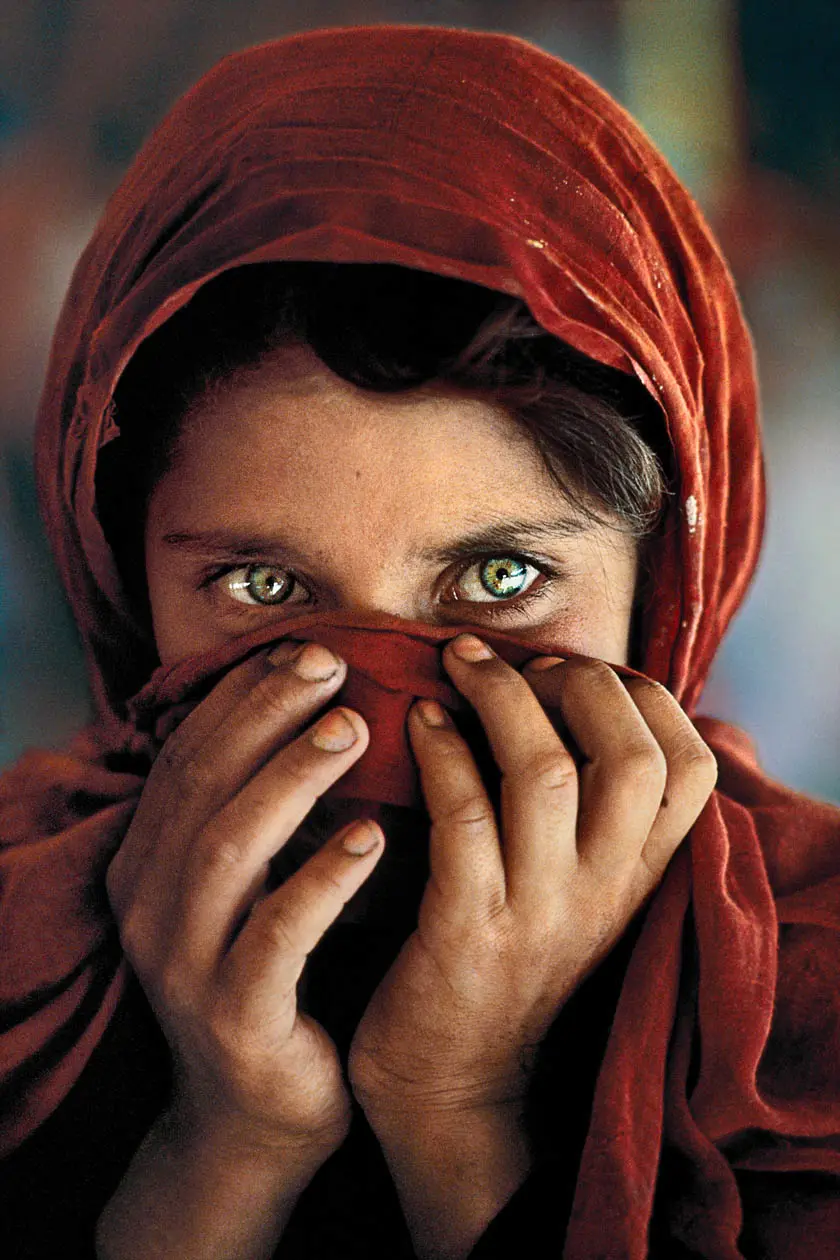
[(480, 157)]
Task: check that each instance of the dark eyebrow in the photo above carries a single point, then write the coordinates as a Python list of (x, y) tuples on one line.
[(503, 535)]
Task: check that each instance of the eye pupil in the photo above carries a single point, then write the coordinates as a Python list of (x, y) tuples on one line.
[(503, 577)]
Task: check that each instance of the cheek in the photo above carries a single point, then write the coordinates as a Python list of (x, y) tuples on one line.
[(179, 630), (170, 626), (178, 635), (599, 617), (590, 633), (178, 626)]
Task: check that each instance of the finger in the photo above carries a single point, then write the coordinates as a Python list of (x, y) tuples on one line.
[(160, 797), (543, 678), (223, 865), (623, 777), (202, 766), (539, 789), (205, 717), (270, 952), (465, 857), (691, 772), (256, 711)]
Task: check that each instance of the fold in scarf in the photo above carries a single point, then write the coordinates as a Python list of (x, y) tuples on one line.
[(479, 157)]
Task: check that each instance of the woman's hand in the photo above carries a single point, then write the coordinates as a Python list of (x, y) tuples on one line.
[(218, 958), (518, 910)]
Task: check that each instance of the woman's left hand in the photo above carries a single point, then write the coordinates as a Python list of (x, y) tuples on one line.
[(519, 909)]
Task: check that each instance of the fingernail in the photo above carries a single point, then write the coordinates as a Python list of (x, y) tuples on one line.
[(539, 663), (432, 713), (360, 839), (334, 733), (316, 663), (311, 661), (470, 648)]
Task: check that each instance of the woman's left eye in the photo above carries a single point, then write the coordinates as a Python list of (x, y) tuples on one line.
[(497, 578)]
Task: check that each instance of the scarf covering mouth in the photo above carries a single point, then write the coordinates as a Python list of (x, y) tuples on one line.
[(391, 663), (716, 1111)]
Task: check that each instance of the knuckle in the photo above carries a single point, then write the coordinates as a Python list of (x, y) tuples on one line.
[(553, 770), (498, 678), (697, 761), (215, 854), (644, 765), (327, 884), (650, 688), (293, 775), (275, 693), (643, 682), (276, 931), (135, 936), (470, 814), (503, 675)]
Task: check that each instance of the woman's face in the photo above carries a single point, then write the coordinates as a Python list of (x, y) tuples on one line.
[(292, 491)]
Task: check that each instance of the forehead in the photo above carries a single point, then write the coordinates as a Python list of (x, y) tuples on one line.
[(290, 447), (291, 398)]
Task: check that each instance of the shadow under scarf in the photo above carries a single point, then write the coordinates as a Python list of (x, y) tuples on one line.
[(479, 157)]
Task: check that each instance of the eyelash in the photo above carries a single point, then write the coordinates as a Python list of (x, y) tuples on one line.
[(494, 611)]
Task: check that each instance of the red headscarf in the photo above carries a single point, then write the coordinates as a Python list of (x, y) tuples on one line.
[(479, 157)]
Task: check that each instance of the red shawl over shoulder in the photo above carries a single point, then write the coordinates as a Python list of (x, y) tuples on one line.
[(480, 157)]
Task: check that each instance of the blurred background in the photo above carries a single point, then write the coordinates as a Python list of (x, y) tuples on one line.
[(743, 96)]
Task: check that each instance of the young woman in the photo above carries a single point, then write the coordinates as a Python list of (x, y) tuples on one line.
[(399, 452)]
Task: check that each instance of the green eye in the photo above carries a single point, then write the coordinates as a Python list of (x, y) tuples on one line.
[(503, 576), (496, 578), (260, 584)]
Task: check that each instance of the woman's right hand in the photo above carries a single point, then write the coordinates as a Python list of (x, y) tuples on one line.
[(218, 959)]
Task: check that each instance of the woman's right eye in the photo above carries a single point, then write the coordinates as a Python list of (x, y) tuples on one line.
[(263, 584)]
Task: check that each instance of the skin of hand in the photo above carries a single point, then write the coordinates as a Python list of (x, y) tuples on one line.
[(518, 910), (218, 958)]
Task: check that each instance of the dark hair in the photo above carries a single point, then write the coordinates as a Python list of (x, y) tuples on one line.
[(384, 328)]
